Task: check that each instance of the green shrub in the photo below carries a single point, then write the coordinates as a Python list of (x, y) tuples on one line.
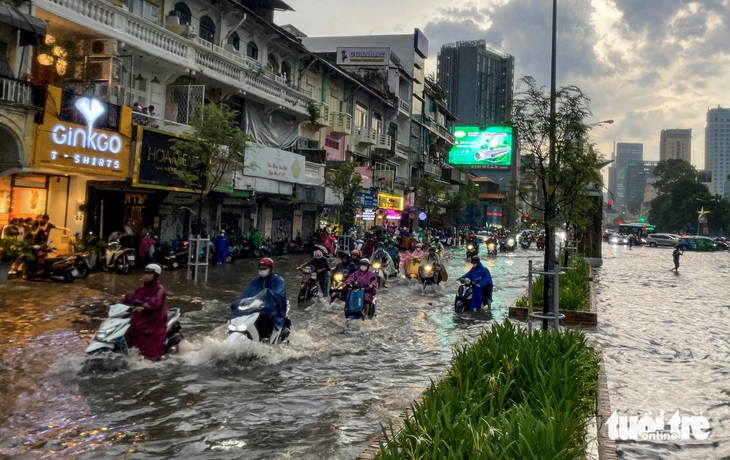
[(509, 395), (574, 287)]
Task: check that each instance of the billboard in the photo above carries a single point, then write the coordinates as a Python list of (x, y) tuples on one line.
[(482, 148), (363, 56)]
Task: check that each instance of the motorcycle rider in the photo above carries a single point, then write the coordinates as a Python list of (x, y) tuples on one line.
[(322, 267), (148, 329), (392, 251), (386, 263), (368, 280), (438, 244), (480, 276), (416, 253), (434, 260), (346, 265), (355, 256), (275, 303)]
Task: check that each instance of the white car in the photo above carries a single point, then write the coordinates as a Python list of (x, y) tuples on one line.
[(662, 239), (618, 239)]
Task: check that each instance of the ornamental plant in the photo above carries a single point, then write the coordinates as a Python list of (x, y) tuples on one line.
[(12, 248), (88, 243)]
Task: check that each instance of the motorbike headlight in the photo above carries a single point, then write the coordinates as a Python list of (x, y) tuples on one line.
[(376, 265), (428, 268), (510, 241), (470, 247), (101, 336), (338, 277), (234, 328)]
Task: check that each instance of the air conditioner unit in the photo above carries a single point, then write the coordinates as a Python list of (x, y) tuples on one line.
[(94, 71), (102, 47)]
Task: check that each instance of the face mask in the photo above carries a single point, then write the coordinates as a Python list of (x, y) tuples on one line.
[(264, 272), (363, 268)]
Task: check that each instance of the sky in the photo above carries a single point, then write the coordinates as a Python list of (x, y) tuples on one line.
[(646, 64)]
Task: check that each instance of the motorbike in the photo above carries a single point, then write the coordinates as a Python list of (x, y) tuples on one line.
[(355, 303), (118, 258), (110, 339), (309, 285), (462, 302), (377, 267), (296, 246), (337, 287), (248, 250), (492, 249), (540, 243), (265, 249), (428, 277), (412, 271), (168, 258), (510, 244), (247, 321), (472, 249), (62, 268)]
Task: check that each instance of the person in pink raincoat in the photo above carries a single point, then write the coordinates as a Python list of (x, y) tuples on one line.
[(368, 280), (148, 330), (417, 253)]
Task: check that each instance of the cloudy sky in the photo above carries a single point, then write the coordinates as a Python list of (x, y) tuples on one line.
[(647, 64)]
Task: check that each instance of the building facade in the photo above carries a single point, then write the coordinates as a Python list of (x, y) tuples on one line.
[(625, 153), (717, 148), (675, 144)]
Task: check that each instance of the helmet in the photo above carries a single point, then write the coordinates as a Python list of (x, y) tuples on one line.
[(364, 261), (355, 253), (266, 262), (475, 259), (153, 268), (419, 245), (344, 254), (317, 254), (381, 244), (432, 248)]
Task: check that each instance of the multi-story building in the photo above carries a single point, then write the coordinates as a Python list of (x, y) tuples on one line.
[(625, 152), (717, 148), (675, 144), (639, 174), (478, 81)]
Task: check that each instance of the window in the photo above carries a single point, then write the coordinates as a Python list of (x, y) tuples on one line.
[(361, 115), (377, 123), (252, 50), (272, 63), (207, 29), (234, 41), (183, 13), (286, 71), (144, 9)]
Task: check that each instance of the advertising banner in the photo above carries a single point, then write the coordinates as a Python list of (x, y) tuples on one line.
[(271, 163), (156, 159), (390, 202), (478, 148), (82, 148), (363, 56)]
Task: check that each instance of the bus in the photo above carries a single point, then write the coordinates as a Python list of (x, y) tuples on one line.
[(636, 228)]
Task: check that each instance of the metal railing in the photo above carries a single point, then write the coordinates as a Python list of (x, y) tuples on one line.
[(17, 91)]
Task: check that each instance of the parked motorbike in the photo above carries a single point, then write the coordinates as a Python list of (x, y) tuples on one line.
[(248, 322), (355, 303), (109, 341), (168, 258), (62, 268), (82, 264), (309, 285), (462, 302), (117, 258), (265, 249), (338, 290)]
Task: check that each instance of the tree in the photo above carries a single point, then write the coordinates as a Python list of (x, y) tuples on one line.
[(431, 195), (346, 184), (213, 150), (677, 209), (671, 171)]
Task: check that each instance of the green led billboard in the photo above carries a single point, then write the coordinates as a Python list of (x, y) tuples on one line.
[(482, 148)]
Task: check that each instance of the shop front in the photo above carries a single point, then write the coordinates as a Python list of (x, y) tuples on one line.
[(390, 209), (80, 139)]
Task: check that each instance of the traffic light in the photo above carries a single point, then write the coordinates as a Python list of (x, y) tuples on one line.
[(610, 204), (527, 215), (642, 219)]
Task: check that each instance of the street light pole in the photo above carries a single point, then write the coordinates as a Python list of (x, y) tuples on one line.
[(548, 291)]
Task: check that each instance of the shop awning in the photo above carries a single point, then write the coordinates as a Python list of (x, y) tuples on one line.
[(30, 26), (240, 194)]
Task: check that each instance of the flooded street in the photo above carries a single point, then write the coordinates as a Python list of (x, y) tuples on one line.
[(665, 342), (323, 396)]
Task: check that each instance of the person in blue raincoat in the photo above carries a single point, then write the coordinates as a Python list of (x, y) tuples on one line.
[(222, 247), (275, 301), (479, 275)]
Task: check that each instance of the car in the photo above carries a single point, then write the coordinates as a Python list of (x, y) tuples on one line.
[(696, 243), (721, 243), (617, 238), (662, 239)]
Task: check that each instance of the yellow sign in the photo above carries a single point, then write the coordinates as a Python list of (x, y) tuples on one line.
[(390, 202), (82, 148)]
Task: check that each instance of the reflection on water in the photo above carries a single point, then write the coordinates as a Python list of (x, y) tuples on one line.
[(665, 342), (323, 396)]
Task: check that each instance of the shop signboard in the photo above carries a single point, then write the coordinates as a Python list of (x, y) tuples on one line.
[(275, 164), (360, 56), (367, 198), (386, 201), (366, 214), (482, 148), (156, 160), (83, 148)]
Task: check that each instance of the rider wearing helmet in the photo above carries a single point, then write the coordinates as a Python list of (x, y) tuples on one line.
[(346, 265), (275, 302), (322, 267), (368, 280), (148, 329), (386, 264), (355, 255), (434, 260), (479, 275)]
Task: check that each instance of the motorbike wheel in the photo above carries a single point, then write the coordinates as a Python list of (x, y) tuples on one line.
[(123, 265), (68, 277), (84, 271), (229, 259), (105, 266)]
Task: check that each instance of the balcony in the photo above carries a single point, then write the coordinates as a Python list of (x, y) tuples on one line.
[(365, 135), (341, 123), (454, 176), (383, 142), (323, 118), (226, 66), (19, 92), (402, 151), (445, 134), (432, 169), (314, 174), (404, 106)]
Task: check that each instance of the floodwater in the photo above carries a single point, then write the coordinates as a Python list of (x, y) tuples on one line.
[(665, 342), (323, 396)]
